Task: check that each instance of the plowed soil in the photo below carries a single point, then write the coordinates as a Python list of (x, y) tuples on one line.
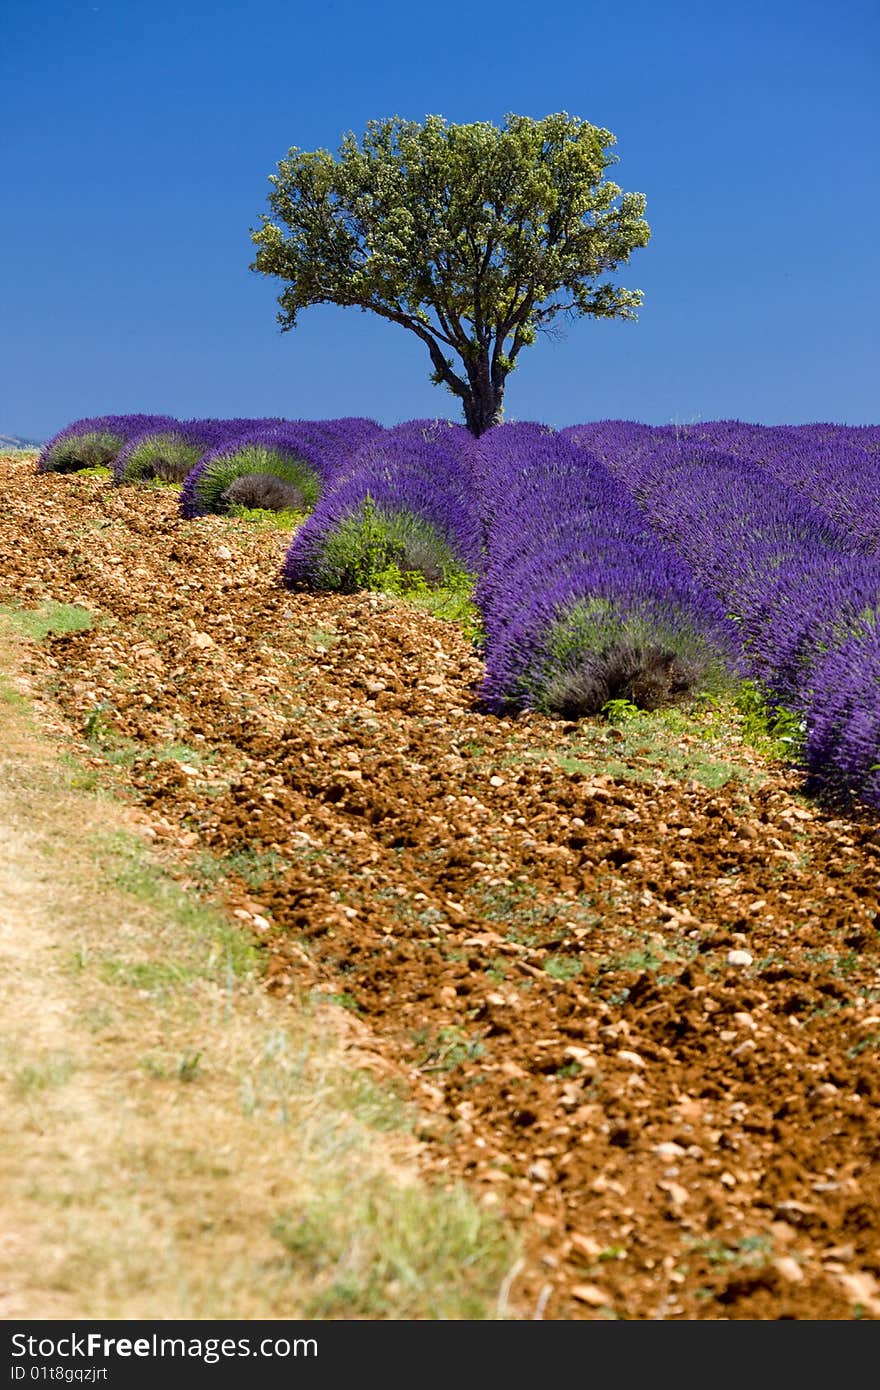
[(640, 1014)]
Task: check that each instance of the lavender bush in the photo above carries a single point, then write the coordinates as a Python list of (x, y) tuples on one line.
[(95, 441), (581, 605), (306, 454), (406, 502), (171, 453), (805, 599)]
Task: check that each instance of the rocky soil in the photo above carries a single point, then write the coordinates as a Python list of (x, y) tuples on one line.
[(639, 1013)]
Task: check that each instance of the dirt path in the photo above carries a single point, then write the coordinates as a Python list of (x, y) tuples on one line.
[(630, 975)]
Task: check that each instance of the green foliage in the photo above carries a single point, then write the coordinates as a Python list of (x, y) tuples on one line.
[(50, 617), (254, 458), (562, 967), (770, 726), (452, 600), (166, 457), (597, 658), (95, 449), (620, 711), (391, 551), (473, 237), (266, 520)]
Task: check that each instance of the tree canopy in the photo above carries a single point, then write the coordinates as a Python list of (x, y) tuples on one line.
[(473, 237)]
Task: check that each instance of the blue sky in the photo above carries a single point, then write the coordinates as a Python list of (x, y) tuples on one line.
[(139, 136)]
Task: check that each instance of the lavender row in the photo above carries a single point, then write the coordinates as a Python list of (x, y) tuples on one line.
[(94, 441), (580, 603), (272, 463), (278, 465), (805, 602), (835, 467), (169, 452), (405, 500)]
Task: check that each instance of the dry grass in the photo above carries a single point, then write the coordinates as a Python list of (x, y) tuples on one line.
[(177, 1143)]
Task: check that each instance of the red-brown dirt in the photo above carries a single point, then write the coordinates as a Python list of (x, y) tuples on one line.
[(640, 1015)]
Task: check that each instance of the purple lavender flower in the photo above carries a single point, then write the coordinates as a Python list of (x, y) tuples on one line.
[(406, 499), (95, 441), (289, 451), (580, 602), (739, 504)]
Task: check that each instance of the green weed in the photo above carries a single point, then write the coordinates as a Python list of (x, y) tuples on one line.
[(771, 728), (262, 519), (449, 1049), (563, 967), (385, 1252), (52, 1070), (49, 618)]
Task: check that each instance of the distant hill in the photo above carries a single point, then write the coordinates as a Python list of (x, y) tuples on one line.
[(15, 441)]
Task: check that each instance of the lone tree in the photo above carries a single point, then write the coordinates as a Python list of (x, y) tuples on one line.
[(473, 237)]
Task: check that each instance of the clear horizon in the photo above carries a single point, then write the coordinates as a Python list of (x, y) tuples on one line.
[(140, 138)]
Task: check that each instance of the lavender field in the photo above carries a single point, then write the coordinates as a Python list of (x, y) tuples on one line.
[(605, 562)]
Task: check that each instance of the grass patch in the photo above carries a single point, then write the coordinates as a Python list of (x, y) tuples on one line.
[(563, 967), (254, 867), (451, 1048), (97, 470), (698, 743), (400, 1253), (10, 696), (50, 618), (452, 600), (527, 920), (217, 949), (48, 1072), (198, 1104), (262, 519)]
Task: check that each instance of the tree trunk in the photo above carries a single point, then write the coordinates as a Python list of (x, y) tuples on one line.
[(483, 407)]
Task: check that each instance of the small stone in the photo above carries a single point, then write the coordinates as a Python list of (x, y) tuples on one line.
[(591, 1294), (201, 640), (496, 781), (677, 1194), (223, 552), (669, 1150), (744, 1020), (585, 1246), (634, 1059), (261, 923), (580, 1055), (741, 958)]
